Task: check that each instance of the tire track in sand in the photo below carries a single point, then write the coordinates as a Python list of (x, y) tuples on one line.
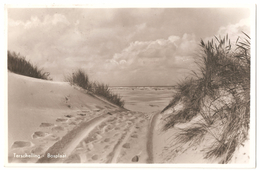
[(150, 136), (70, 141), (113, 156)]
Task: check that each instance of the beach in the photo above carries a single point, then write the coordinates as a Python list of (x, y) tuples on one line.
[(54, 122)]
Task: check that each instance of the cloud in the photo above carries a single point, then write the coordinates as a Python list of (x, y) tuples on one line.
[(161, 50), (61, 46), (117, 46), (233, 31), (36, 22), (161, 57), (45, 42)]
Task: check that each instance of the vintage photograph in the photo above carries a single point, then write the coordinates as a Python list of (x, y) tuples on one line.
[(90, 85)]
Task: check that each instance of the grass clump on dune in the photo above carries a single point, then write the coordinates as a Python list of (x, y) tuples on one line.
[(220, 93), (103, 90), (80, 78), (19, 65)]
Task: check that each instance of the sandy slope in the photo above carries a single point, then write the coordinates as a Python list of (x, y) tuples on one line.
[(166, 150), (53, 122)]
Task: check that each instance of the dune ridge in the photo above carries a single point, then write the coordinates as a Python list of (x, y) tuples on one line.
[(54, 122)]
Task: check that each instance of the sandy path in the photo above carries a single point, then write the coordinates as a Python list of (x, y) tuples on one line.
[(150, 138), (69, 142), (117, 149), (121, 139)]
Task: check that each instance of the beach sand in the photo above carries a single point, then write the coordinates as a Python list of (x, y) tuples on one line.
[(54, 122), (53, 119)]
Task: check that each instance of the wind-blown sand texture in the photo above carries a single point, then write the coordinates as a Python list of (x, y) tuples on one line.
[(53, 122), (53, 119), (166, 150)]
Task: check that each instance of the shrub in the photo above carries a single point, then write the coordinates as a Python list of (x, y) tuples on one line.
[(19, 65), (220, 93), (80, 78)]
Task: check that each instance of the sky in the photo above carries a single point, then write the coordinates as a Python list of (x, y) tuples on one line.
[(120, 46)]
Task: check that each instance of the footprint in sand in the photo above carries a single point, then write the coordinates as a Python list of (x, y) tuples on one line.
[(100, 108), (142, 121), (85, 111), (54, 138), (72, 123), (68, 116), (108, 128), (81, 114), (107, 140), (46, 124), (95, 157), (126, 145), (98, 136), (116, 134), (73, 159), (101, 126), (90, 146), (107, 147), (117, 123), (117, 128), (134, 136), (132, 118), (38, 150), (123, 153), (135, 159), (108, 107), (61, 120), (79, 118), (21, 144), (39, 134), (58, 128), (90, 139), (111, 120), (129, 122)]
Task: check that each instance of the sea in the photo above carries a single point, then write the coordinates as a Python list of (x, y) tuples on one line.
[(145, 99)]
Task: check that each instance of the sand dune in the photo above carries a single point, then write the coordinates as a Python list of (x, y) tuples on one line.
[(166, 150), (53, 122)]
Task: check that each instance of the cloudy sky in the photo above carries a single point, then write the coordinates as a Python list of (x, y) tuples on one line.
[(123, 46)]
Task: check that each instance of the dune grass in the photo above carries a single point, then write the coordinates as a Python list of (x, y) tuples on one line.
[(19, 65), (80, 78), (220, 93)]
